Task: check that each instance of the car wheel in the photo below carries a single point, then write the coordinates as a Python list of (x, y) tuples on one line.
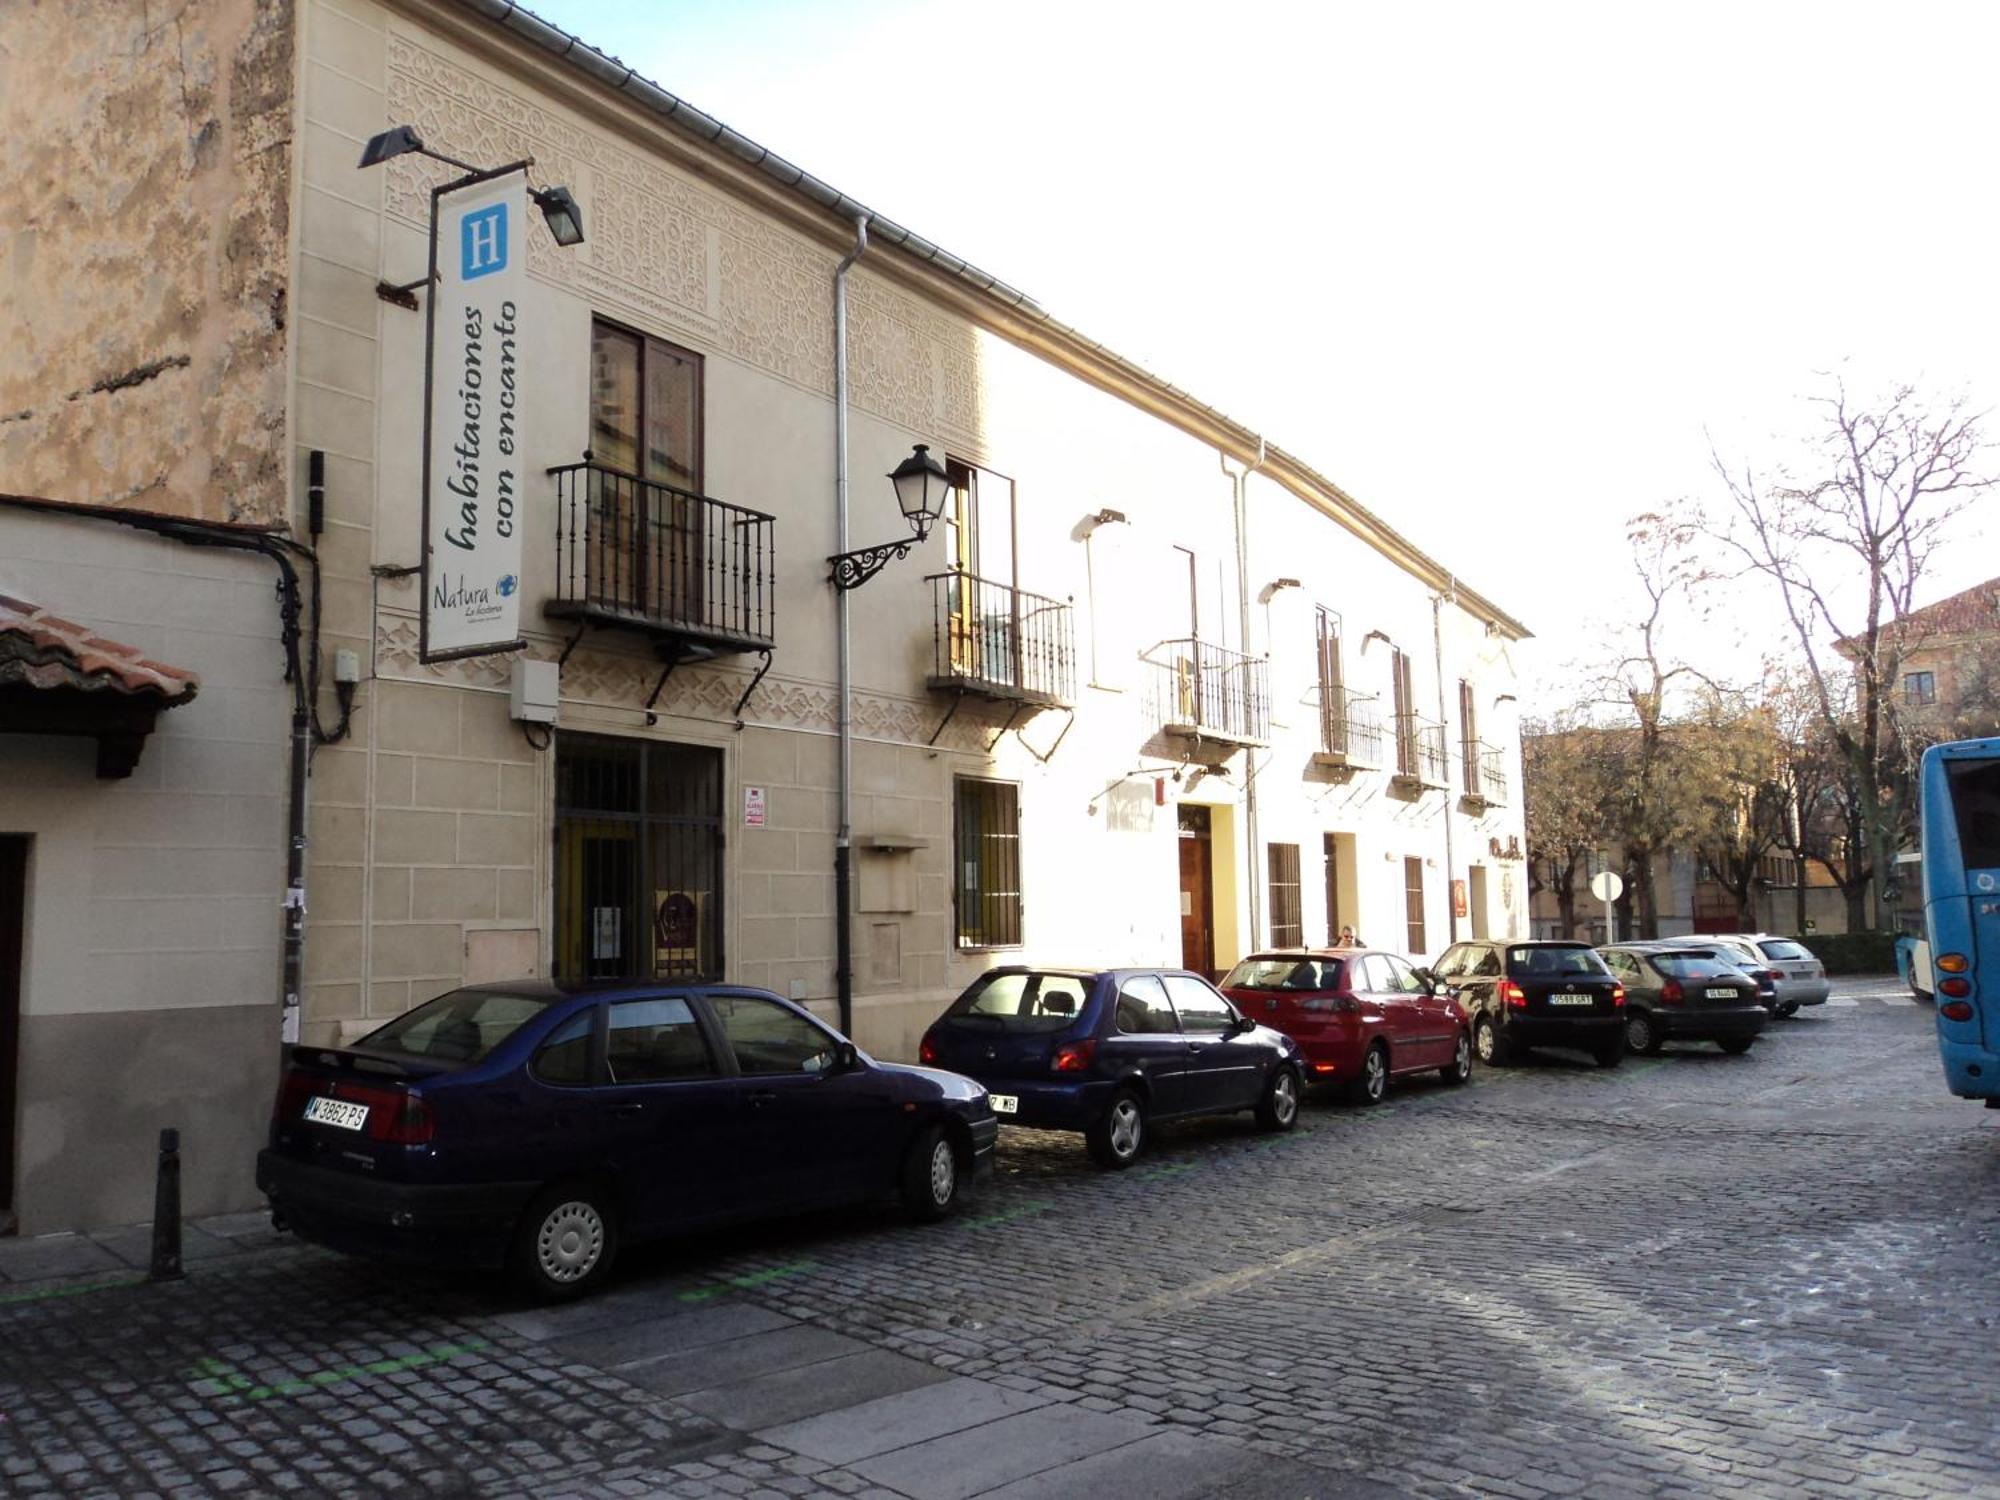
[(1459, 1069), (1279, 1108), (1488, 1043), (1788, 1008), (1736, 1046), (930, 1176), (1118, 1135), (1611, 1054), (1371, 1084), (1641, 1034), (565, 1244)]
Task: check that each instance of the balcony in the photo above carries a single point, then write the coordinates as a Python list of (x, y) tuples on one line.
[(1421, 763), (1000, 642), (1350, 730), (1204, 692), (696, 575), (1484, 778)]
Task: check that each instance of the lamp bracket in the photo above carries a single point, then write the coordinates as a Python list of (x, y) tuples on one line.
[(852, 569), (403, 294)]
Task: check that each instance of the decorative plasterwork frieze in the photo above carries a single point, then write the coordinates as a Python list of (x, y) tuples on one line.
[(673, 254), (709, 690)]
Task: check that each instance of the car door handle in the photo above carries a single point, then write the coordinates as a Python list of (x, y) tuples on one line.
[(627, 1111), (758, 1101)]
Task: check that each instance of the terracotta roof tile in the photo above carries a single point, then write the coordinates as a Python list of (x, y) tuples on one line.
[(44, 650)]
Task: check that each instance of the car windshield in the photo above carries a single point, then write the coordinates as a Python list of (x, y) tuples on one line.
[(1693, 966), (1533, 962), (1283, 974), (1784, 948), (1022, 1002), (460, 1027)]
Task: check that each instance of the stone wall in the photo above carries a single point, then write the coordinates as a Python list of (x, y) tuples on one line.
[(143, 259)]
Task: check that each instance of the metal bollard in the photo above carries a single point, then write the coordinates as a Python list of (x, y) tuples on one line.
[(167, 1211)]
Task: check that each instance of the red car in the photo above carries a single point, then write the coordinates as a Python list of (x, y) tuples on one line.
[(1360, 1017)]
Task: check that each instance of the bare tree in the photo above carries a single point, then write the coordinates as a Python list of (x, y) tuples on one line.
[(1846, 546), (1731, 768), (1564, 795)]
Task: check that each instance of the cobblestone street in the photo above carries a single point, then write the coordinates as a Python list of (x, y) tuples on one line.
[(1696, 1275)]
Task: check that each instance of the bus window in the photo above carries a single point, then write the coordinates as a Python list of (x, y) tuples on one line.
[(1975, 801)]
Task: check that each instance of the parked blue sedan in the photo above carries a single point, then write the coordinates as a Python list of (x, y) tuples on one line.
[(1109, 1052), (538, 1127)]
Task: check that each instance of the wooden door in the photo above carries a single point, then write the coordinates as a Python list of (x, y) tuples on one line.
[(13, 924), (1197, 893)]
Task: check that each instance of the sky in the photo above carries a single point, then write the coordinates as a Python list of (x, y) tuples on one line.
[(1504, 273)]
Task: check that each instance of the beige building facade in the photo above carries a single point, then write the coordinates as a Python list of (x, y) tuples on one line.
[(1152, 690)]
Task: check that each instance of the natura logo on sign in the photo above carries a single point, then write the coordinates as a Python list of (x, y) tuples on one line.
[(482, 242)]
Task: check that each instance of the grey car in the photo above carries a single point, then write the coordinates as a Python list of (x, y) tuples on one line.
[(1796, 977), (1677, 992)]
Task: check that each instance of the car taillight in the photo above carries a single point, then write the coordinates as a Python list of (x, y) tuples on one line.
[(1617, 995), (1513, 994), (396, 1117), (1670, 993), (1073, 1057), (1344, 1005), (1955, 987), (927, 1049), (293, 1090), (1953, 963), (1958, 1010)]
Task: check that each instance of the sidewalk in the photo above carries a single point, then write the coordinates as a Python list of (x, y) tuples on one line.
[(124, 1254)]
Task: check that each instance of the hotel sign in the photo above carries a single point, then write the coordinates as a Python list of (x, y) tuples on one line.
[(474, 430)]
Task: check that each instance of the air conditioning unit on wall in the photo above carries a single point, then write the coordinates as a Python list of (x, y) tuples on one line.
[(534, 693)]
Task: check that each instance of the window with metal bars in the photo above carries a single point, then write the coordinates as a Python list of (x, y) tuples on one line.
[(1413, 905), (987, 852), (1288, 927), (638, 860)]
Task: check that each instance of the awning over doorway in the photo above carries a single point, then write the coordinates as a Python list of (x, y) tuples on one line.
[(58, 677)]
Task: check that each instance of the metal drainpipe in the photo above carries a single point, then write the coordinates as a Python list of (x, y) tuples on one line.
[(1240, 483), (843, 877), (1437, 658)]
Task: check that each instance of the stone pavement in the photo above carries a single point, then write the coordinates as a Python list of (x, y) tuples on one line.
[(1696, 1275)]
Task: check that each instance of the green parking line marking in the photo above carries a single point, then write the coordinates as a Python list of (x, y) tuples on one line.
[(1007, 1215), (1166, 1169), (48, 1293), (238, 1386), (746, 1281)]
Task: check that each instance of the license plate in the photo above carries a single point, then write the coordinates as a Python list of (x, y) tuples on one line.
[(1572, 999), (1723, 992), (1004, 1104), (337, 1112)]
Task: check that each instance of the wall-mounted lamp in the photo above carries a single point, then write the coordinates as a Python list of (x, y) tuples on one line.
[(921, 486)]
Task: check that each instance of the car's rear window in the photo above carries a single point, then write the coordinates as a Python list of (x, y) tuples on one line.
[(1022, 1002), (1694, 966), (1530, 963), (459, 1027), (1784, 948), (1284, 974)]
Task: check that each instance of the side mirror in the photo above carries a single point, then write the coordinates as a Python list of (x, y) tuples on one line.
[(845, 1058), (1427, 977), (1241, 1024)]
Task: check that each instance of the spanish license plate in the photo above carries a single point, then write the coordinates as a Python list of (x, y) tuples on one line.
[(1572, 999), (339, 1113), (1723, 992), (1004, 1104)]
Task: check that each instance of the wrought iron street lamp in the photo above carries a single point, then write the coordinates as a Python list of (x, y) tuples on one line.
[(921, 488)]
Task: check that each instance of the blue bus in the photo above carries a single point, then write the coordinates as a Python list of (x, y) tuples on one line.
[(1961, 844)]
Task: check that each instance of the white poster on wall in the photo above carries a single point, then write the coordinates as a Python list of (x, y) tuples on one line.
[(475, 440)]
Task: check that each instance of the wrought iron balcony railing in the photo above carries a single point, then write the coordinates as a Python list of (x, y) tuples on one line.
[(663, 560), (1001, 642), (1492, 774), (1420, 752), (1199, 689), (1350, 727)]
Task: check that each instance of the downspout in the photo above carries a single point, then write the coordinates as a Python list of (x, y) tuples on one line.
[(843, 875), (1437, 659), (1240, 483)]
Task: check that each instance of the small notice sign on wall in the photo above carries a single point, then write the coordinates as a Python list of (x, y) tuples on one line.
[(753, 807)]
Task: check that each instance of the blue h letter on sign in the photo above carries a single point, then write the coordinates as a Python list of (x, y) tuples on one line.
[(482, 242)]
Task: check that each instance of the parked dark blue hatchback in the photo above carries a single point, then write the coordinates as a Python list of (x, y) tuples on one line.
[(540, 1127), (1109, 1052)]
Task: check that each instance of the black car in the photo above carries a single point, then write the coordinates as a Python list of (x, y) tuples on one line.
[(1677, 993), (1522, 994), (539, 1127), (1108, 1052)]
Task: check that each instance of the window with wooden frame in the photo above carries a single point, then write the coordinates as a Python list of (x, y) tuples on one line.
[(1288, 928), (1413, 905), (646, 428), (987, 855)]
